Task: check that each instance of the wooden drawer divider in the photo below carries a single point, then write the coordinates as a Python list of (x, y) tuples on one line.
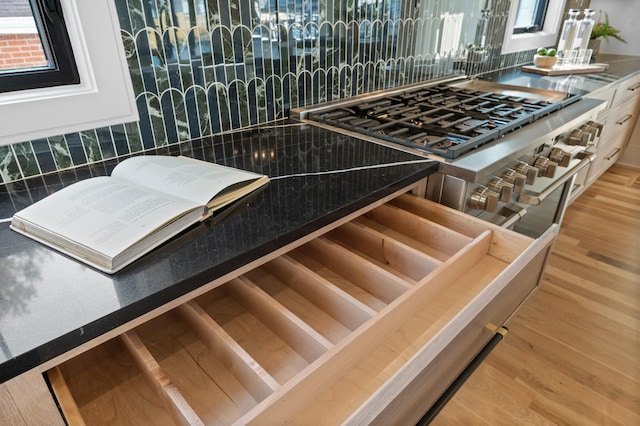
[(179, 408), (296, 333), (357, 270), (286, 402), (65, 398), (430, 233), (259, 339), (400, 258), (504, 247), (249, 373), (342, 306)]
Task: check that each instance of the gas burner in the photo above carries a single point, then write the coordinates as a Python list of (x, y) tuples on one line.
[(446, 120), (445, 144), (424, 139), (363, 123), (473, 124)]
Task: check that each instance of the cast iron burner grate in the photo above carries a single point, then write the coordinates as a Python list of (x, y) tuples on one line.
[(445, 120)]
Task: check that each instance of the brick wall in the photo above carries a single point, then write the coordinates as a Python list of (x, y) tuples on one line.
[(21, 51)]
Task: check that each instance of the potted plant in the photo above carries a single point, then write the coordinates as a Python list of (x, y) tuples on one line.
[(602, 30)]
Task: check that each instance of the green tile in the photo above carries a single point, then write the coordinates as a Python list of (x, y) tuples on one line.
[(136, 15), (157, 122), (133, 137), (91, 145), (131, 54), (180, 110), (203, 111), (60, 152), (9, 169), (26, 158), (214, 13)]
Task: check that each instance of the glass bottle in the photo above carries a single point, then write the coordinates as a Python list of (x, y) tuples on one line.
[(584, 30), (482, 28), (569, 29)]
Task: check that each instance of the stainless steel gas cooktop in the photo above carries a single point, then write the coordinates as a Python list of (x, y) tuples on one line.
[(448, 120)]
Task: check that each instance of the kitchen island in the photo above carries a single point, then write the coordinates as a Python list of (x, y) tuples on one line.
[(330, 291)]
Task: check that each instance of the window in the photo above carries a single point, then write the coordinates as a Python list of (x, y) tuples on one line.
[(103, 94), (532, 24), (55, 64), (530, 16)]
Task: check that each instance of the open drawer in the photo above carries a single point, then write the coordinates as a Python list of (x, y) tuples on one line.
[(368, 323)]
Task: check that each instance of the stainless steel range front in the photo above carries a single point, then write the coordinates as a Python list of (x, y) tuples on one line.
[(509, 155)]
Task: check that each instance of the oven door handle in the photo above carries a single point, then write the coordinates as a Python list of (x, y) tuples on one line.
[(535, 199), (516, 216)]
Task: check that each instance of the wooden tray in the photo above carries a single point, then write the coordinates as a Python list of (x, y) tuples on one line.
[(366, 324), (587, 69)]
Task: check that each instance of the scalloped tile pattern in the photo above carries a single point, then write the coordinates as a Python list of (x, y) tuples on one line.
[(201, 67)]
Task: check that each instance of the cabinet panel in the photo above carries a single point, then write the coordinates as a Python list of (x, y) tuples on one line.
[(618, 125), (626, 89), (620, 120)]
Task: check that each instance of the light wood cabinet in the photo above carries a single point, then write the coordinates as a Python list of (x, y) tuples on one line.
[(368, 323), (618, 120)]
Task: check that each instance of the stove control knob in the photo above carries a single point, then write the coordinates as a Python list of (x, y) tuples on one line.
[(502, 187), (593, 133), (484, 199), (560, 157), (529, 171), (546, 167), (516, 179), (578, 137), (596, 126)]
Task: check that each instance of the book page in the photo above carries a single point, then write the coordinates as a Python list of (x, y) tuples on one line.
[(195, 180), (105, 214)]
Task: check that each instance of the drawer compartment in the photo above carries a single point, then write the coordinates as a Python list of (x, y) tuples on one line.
[(343, 327), (619, 121), (628, 88)]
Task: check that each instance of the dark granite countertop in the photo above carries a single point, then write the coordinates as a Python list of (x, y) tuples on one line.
[(619, 67), (50, 304)]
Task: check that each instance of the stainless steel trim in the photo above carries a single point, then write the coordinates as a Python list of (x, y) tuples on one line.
[(516, 216), (512, 90), (303, 112), (480, 165), (535, 199)]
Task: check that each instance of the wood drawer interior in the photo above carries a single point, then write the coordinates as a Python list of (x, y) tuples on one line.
[(310, 335)]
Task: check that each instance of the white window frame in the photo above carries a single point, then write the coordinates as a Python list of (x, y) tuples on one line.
[(104, 96), (526, 41)]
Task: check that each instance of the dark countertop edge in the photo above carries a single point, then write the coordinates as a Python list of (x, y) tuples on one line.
[(74, 339)]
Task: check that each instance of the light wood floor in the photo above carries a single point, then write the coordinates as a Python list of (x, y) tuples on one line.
[(572, 354)]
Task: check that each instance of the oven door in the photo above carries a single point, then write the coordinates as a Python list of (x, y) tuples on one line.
[(546, 207)]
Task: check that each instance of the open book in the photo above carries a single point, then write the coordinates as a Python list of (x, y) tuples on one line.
[(110, 221)]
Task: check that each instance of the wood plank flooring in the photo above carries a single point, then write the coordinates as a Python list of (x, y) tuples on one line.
[(572, 354)]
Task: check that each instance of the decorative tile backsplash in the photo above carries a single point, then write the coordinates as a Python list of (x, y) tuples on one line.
[(202, 67)]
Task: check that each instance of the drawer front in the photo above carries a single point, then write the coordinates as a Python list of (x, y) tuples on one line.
[(347, 320), (628, 88), (434, 378), (620, 120)]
